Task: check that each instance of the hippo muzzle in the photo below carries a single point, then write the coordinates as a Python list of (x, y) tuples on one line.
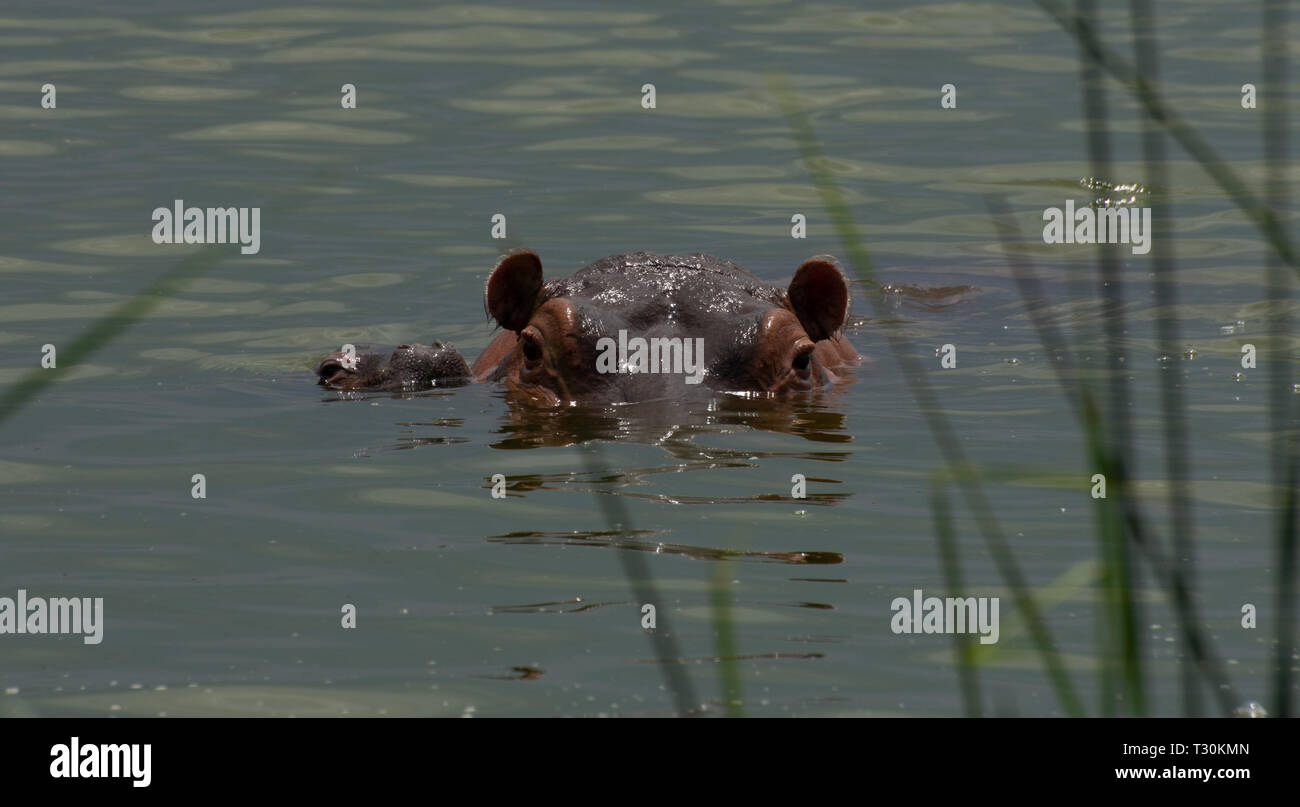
[(407, 368)]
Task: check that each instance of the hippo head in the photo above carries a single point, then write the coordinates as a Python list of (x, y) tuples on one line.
[(643, 326)]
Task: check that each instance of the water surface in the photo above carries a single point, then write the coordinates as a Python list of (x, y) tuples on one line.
[(376, 229)]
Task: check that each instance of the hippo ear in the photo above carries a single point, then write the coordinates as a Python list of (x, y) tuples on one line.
[(819, 295), (512, 289)]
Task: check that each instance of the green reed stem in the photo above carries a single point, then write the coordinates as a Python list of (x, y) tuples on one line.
[(927, 402), (963, 643), (1172, 407), (724, 632), (1264, 218), (640, 579), (1284, 408), (1120, 609), (106, 330), (1087, 414), (112, 325)]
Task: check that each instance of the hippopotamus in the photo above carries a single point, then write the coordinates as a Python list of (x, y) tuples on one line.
[(634, 327)]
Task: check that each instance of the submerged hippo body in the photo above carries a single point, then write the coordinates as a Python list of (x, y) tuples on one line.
[(635, 327)]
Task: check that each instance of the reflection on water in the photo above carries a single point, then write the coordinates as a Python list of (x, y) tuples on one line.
[(624, 539), (819, 416), (558, 607), (744, 657), (522, 672)]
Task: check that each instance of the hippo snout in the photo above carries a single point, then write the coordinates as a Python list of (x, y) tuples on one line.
[(406, 368)]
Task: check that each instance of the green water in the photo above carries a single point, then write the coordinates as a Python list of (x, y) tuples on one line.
[(376, 229)]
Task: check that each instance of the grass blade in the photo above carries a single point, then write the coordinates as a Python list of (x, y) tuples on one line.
[(926, 401)]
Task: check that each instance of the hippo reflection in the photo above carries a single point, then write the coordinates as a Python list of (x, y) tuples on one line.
[(635, 327)]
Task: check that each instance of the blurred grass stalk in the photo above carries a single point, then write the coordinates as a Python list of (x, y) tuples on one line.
[(963, 643), (927, 402), (1120, 525), (108, 328), (724, 633), (1284, 407), (640, 579), (1266, 212), (1081, 399), (1259, 213), (1121, 681), (1177, 459)]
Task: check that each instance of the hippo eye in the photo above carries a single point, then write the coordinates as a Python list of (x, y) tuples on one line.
[(532, 350)]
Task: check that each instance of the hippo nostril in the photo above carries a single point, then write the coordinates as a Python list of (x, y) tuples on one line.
[(801, 361), (532, 350), (334, 371), (331, 376)]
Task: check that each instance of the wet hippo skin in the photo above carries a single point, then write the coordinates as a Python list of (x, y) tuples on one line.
[(635, 327)]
